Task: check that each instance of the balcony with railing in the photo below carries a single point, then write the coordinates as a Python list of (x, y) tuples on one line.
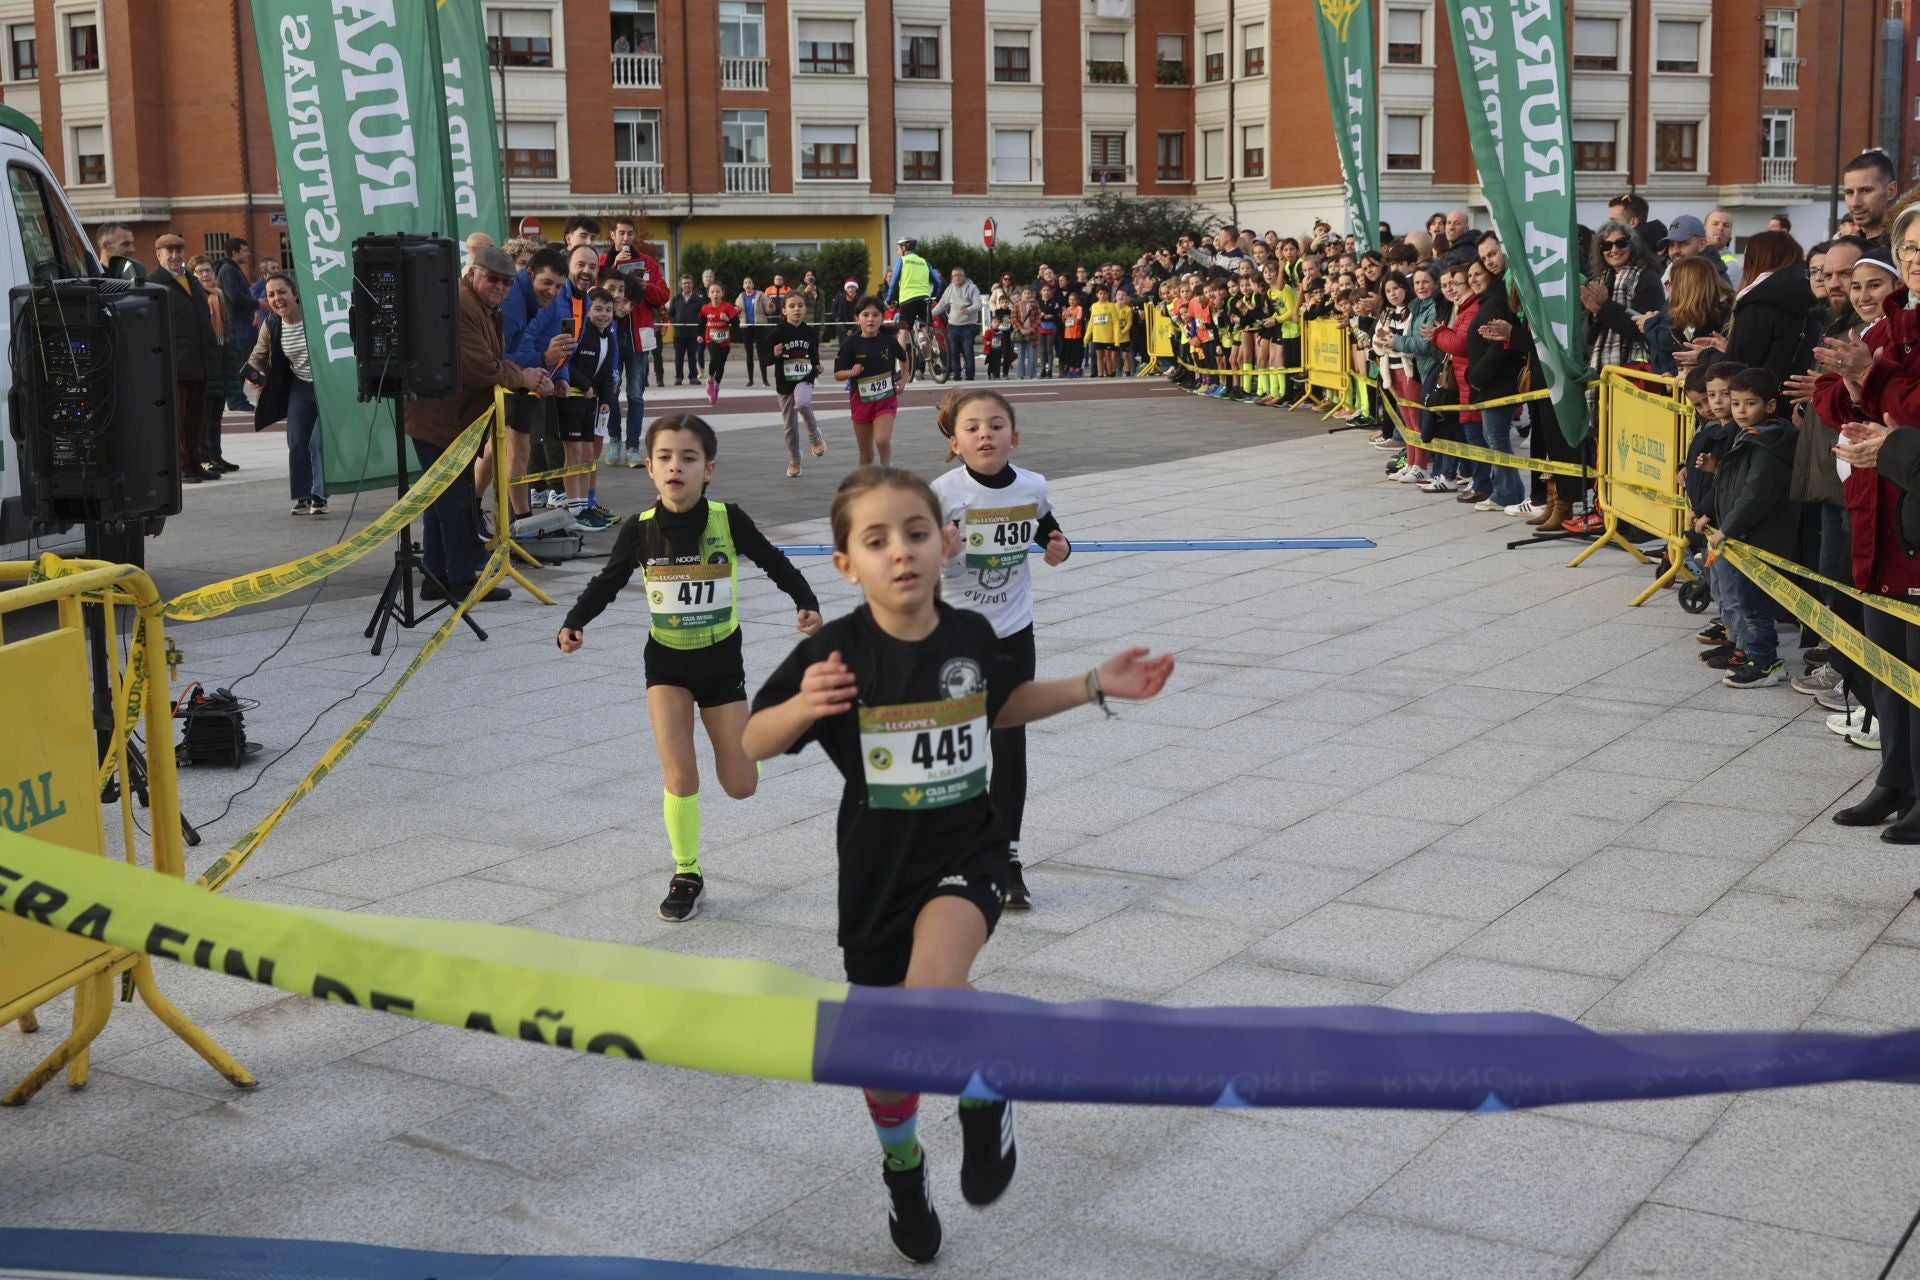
[(1167, 71), (1776, 171), (636, 71), (1106, 71), (1782, 73), (639, 178), (743, 73), (749, 179)]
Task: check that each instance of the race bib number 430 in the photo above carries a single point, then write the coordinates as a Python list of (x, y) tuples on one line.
[(682, 596), (925, 755), (998, 537)]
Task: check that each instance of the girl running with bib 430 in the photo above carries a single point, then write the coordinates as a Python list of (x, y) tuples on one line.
[(901, 694), (688, 552), (1000, 511)]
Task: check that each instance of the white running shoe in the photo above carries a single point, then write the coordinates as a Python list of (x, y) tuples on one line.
[(1524, 509), (1488, 505), (1844, 723)]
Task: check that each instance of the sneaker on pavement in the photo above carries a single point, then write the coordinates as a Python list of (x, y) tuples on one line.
[(1751, 675), (636, 457), (1834, 699), (589, 522), (1713, 633), (1819, 680), (1017, 899), (682, 902), (304, 507), (911, 1219), (615, 454), (1866, 739), (1488, 505), (1412, 475), (1846, 722), (988, 1153), (1717, 656), (1438, 484), (1524, 508), (713, 392)]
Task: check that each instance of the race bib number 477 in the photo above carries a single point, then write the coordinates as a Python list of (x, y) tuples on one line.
[(925, 755), (998, 537), (689, 595)]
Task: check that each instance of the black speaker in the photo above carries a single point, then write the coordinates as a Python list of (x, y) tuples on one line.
[(93, 401), (405, 319)]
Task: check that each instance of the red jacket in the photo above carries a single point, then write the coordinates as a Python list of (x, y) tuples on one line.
[(646, 290), (1881, 563), (1452, 340)]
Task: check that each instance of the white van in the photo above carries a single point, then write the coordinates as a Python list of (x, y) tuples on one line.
[(41, 240)]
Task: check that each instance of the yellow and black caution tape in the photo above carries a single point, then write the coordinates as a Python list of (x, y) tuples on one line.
[(269, 584), (535, 477), (1870, 657), (1480, 453)]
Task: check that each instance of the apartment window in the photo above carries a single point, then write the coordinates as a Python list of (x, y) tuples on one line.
[(1172, 157), (1013, 155), (919, 53), (1406, 37), (1012, 57), (83, 42), (1253, 49), (1106, 157), (920, 159), (24, 52), (1213, 47), (636, 137), (1776, 134), (1596, 44), (1403, 142), (1782, 33), (1253, 151), (1596, 146), (1676, 146), (743, 137), (1106, 57), (89, 155), (743, 29), (636, 27), (520, 37), (830, 151), (1170, 60), (824, 46), (531, 148), (1213, 154), (1676, 46)]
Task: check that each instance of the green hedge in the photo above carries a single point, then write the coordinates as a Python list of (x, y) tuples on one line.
[(1022, 261)]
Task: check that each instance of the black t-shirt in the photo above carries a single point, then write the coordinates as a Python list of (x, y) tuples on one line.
[(879, 361), (1049, 315), (913, 752), (788, 344)]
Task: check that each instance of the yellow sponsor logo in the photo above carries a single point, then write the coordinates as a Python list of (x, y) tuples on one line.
[(913, 795), (880, 758)]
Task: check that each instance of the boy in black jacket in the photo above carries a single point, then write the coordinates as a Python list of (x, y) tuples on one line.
[(1751, 494), (1712, 433), (792, 351), (593, 379)]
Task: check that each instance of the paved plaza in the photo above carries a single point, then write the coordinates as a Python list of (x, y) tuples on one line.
[(1438, 775)]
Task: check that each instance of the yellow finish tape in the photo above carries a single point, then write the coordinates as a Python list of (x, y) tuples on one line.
[(270, 584)]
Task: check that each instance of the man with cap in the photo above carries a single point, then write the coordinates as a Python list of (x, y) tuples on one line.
[(194, 351), (1687, 238), (913, 284)]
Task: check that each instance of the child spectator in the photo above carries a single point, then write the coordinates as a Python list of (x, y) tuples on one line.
[(1713, 432), (1751, 493), (593, 375), (1073, 343), (1100, 330), (1000, 344), (1049, 309)]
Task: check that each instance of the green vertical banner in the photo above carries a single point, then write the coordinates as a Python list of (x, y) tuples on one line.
[(1512, 56), (471, 132), (360, 136), (1346, 57)]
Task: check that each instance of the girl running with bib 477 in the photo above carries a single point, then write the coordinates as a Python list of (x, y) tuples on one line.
[(901, 694), (688, 551)]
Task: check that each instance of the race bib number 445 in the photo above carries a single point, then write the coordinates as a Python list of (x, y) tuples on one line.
[(925, 755), (998, 537), (681, 596)]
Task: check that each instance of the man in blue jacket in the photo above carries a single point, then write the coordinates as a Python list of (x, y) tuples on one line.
[(530, 318)]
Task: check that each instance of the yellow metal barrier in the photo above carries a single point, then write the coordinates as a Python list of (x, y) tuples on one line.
[(50, 785), (1642, 435), (1326, 358)]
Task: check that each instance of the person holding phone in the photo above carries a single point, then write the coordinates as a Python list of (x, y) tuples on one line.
[(645, 292)]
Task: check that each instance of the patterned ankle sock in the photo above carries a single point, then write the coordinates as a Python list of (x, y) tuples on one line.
[(896, 1123)]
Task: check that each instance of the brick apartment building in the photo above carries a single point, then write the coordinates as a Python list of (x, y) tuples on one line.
[(805, 120)]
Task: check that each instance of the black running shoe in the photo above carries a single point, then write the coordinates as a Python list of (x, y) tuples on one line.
[(1713, 633), (911, 1220), (1726, 661), (1017, 899), (1720, 653), (683, 899), (988, 1155)]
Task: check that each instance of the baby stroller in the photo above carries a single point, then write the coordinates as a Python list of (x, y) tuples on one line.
[(1696, 595)]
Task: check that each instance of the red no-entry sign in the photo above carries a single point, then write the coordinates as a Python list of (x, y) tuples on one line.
[(986, 232), (529, 228)]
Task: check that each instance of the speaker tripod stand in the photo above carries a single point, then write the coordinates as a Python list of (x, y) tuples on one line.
[(396, 604)]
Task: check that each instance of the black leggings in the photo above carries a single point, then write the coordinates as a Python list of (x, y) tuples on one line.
[(717, 363), (1008, 785)]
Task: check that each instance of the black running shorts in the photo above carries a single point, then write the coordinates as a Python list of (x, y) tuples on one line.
[(715, 675)]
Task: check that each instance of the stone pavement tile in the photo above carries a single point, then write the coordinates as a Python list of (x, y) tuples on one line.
[(1807, 744), (1182, 765), (1070, 896), (1460, 984), (1650, 879), (1254, 1192), (1360, 842), (1343, 765), (532, 827), (1804, 933), (1881, 987), (1716, 829), (809, 906), (1257, 803), (779, 858), (1529, 1180), (1108, 741), (1571, 726), (411, 864), (1139, 948), (1095, 806), (468, 898), (1254, 682), (1446, 884), (1261, 738), (585, 865), (1550, 932), (1870, 871), (1684, 1119), (1802, 1168), (1591, 793), (1238, 982), (1433, 795), (1802, 793), (1642, 754), (80, 1191), (1162, 844), (1344, 707), (1412, 738), (811, 951), (60, 1122), (1067, 1252), (1365, 944), (1253, 895), (1365, 1244), (1691, 991), (1905, 928), (1662, 1241), (1518, 832), (772, 1249), (1487, 758)]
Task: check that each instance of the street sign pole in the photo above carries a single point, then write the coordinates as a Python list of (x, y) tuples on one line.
[(986, 233)]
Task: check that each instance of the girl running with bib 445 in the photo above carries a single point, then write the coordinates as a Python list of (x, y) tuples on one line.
[(901, 694), (870, 362), (688, 551), (1000, 511)]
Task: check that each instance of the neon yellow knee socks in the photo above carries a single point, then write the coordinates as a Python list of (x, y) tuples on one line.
[(682, 814)]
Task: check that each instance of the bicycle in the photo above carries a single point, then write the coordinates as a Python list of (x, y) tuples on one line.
[(927, 351)]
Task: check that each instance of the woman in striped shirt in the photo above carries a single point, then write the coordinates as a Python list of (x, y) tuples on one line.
[(283, 369)]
